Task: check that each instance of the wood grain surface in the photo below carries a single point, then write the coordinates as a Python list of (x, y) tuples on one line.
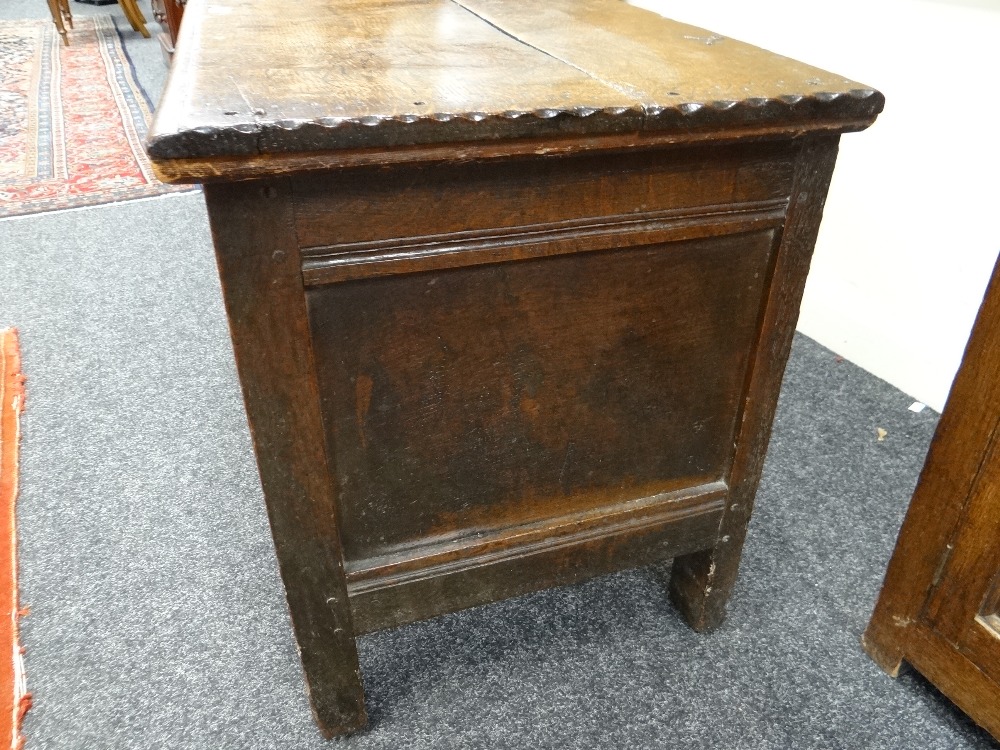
[(939, 510), (467, 400), (701, 583), (262, 287), (374, 74), (511, 289)]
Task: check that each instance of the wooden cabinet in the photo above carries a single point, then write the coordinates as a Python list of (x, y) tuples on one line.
[(509, 311), (938, 609)]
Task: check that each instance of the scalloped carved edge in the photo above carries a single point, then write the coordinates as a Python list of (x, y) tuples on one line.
[(261, 136)]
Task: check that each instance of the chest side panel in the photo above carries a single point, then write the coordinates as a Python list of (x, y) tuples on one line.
[(568, 360)]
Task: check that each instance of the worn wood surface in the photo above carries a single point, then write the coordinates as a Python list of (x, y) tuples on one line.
[(702, 582), (511, 290), (441, 202), (957, 676), (262, 285), (938, 608), (530, 557), (370, 74), (460, 406), (524, 374), (464, 401)]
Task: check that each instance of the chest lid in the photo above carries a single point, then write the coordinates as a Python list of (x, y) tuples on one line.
[(255, 78)]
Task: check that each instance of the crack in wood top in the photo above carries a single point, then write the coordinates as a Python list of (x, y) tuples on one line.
[(622, 88)]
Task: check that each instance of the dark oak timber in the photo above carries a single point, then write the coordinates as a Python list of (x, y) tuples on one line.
[(509, 311), (701, 583), (421, 72), (262, 286)]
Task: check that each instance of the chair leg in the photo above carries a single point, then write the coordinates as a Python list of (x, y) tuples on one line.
[(57, 19), (67, 14), (134, 16)]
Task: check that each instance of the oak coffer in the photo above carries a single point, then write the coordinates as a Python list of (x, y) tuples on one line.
[(511, 289)]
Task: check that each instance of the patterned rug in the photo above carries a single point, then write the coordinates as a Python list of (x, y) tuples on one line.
[(14, 699), (72, 119)]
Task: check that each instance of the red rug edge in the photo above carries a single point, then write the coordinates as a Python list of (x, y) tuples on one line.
[(14, 698)]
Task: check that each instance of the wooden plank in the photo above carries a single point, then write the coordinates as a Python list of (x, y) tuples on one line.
[(262, 285), (675, 70), (964, 578), (385, 74), (528, 536), (461, 249), (974, 563), (231, 168), (701, 583), (360, 73), (450, 587), (451, 198), (980, 643)]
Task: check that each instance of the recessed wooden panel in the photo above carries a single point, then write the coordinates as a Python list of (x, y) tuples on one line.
[(463, 401)]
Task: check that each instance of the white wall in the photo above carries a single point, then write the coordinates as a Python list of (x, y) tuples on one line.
[(910, 232)]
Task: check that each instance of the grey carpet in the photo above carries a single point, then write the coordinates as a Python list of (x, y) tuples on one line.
[(158, 618)]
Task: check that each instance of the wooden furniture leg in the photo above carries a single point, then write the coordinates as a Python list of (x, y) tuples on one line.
[(260, 268), (134, 16), (59, 9), (701, 582), (67, 14)]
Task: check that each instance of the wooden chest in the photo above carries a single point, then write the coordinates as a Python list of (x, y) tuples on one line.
[(511, 291)]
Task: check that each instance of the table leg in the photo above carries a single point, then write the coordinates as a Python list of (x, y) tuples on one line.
[(701, 582), (260, 269)]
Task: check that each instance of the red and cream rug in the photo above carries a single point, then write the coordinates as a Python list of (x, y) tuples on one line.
[(14, 699), (72, 119)]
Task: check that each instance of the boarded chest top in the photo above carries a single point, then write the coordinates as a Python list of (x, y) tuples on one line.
[(258, 77)]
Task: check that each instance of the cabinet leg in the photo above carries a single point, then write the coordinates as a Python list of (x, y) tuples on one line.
[(67, 14), (887, 633), (58, 19), (261, 274), (701, 582), (700, 585), (884, 652)]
